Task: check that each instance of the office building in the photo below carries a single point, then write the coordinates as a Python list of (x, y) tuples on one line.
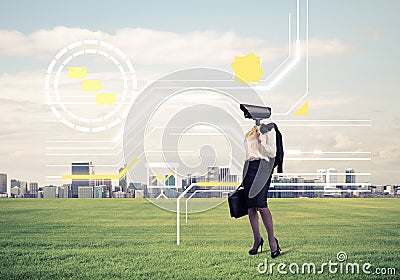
[(233, 178), (130, 193), (321, 175), (212, 173), (15, 192), (223, 174), (85, 192), (80, 168), (122, 181), (350, 177), (50, 192), (33, 189), (170, 181), (14, 183), (40, 194), (98, 192), (118, 194), (331, 175), (67, 190), (106, 184), (22, 185), (3, 183), (24, 188), (64, 191), (60, 192)]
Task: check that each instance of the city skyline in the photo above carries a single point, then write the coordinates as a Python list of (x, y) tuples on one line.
[(213, 174), (352, 76)]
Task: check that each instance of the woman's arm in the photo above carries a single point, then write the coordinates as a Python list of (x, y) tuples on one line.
[(268, 143)]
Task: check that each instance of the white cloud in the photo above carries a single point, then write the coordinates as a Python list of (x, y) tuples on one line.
[(332, 47), (154, 47), (390, 153)]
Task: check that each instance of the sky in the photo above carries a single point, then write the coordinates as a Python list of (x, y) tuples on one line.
[(353, 73)]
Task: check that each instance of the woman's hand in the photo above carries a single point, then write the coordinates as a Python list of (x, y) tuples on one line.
[(258, 134)]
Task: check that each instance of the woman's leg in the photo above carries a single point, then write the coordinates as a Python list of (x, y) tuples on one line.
[(253, 217), (267, 220)]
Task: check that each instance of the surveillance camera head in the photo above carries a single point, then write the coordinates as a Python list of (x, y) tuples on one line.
[(256, 113)]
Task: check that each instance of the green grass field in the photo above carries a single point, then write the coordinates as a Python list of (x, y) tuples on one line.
[(133, 239)]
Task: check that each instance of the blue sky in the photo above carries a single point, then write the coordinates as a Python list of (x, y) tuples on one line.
[(354, 59)]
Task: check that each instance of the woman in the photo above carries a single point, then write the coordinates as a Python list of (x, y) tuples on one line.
[(257, 173)]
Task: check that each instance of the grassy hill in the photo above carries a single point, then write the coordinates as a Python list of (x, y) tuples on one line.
[(133, 239)]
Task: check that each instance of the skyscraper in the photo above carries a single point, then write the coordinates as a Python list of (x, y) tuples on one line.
[(321, 174), (33, 189), (3, 183), (24, 188), (22, 185), (331, 175), (349, 177), (50, 191), (106, 184), (85, 192), (212, 173), (170, 181), (122, 181), (98, 192), (223, 175), (80, 168), (14, 183)]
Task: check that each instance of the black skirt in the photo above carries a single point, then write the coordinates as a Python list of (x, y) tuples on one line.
[(260, 200)]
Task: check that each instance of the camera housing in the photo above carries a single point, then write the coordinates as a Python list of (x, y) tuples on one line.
[(255, 112)]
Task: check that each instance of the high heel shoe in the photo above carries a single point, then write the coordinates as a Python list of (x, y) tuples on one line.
[(277, 252), (254, 251)]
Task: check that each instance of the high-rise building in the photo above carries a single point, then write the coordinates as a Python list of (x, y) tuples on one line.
[(3, 183), (64, 191), (80, 168), (130, 193), (170, 181), (85, 192), (33, 189), (15, 191), (98, 192), (190, 179), (350, 177), (50, 192), (321, 174), (24, 188), (332, 176), (60, 192), (233, 178), (122, 181), (212, 173), (223, 174), (67, 190), (106, 184), (22, 185), (14, 183)]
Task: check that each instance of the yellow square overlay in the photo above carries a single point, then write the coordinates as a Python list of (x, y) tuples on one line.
[(105, 98), (91, 85), (77, 72)]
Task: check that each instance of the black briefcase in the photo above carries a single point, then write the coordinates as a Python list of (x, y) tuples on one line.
[(237, 203)]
